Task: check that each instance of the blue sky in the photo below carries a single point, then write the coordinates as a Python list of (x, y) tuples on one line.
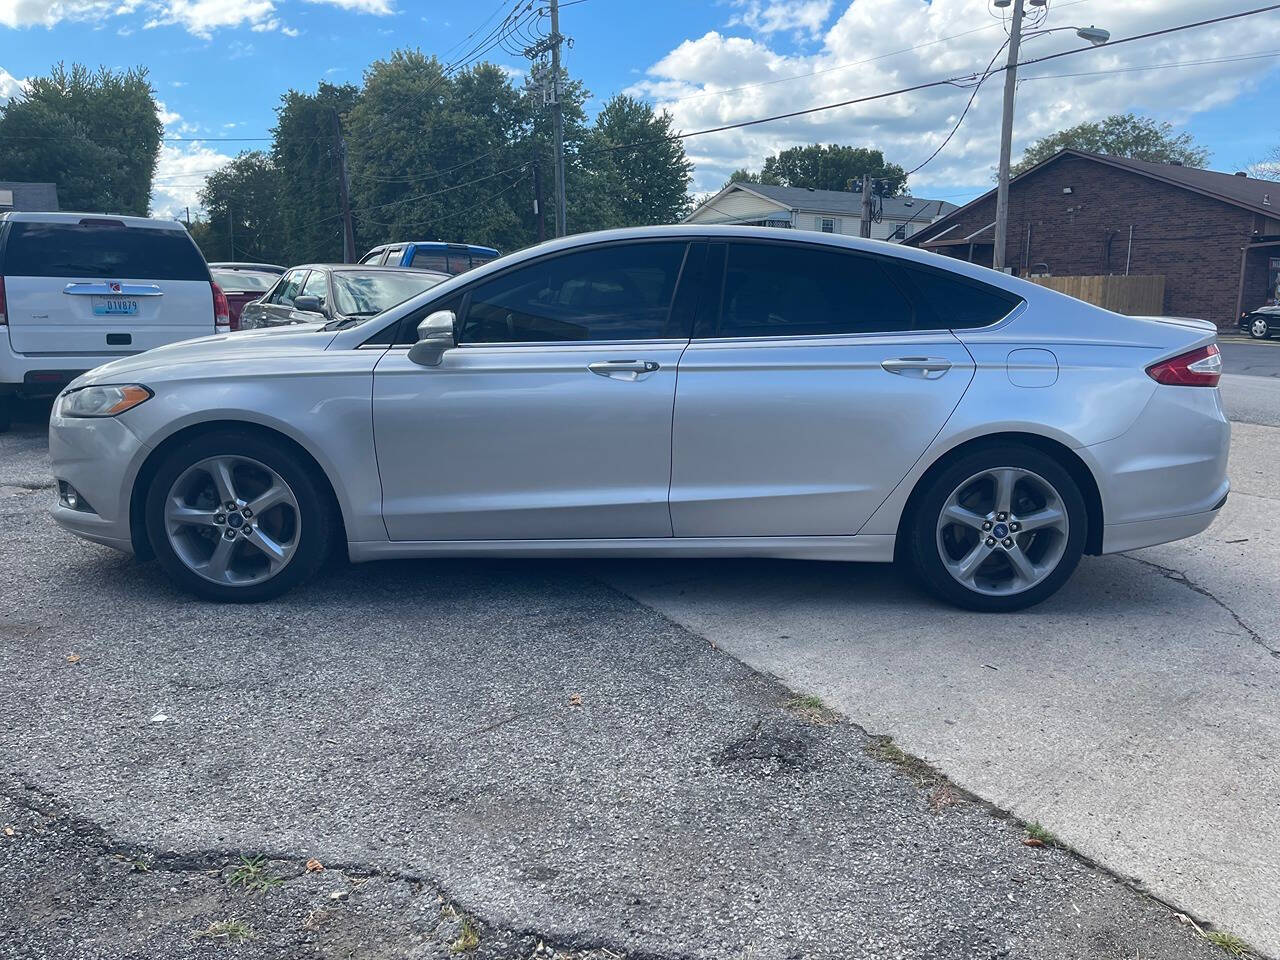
[(219, 66)]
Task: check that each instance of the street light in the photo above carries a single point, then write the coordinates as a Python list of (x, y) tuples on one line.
[(1094, 35)]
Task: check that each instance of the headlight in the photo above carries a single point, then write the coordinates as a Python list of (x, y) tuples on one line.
[(104, 401)]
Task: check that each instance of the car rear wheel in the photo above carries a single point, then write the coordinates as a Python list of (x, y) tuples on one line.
[(234, 517), (1259, 327), (1000, 529)]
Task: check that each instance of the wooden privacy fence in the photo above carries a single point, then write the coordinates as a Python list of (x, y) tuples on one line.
[(1131, 295)]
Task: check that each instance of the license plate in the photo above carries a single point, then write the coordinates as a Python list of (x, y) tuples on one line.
[(115, 306)]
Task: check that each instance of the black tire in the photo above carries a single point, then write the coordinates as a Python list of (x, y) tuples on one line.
[(925, 554), (316, 534), (6, 413), (1266, 328)]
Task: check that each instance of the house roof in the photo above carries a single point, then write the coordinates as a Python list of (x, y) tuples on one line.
[(1251, 193), (844, 202), (32, 196)]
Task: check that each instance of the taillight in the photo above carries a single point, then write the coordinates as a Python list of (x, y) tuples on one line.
[(221, 310), (1197, 368), (4, 305)]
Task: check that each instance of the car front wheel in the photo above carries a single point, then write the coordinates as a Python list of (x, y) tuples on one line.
[(234, 517), (1259, 327), (1000, 529)]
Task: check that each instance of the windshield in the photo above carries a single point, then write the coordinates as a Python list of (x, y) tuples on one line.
[(364, 294), (248, 281)]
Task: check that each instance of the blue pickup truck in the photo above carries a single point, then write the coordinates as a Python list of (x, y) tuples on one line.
[(430, 255)]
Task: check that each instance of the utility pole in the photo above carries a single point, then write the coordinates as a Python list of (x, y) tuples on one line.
[(1006, 136), (558, 116), (231, 230), (344, 193), (865, 230), (537, 201)]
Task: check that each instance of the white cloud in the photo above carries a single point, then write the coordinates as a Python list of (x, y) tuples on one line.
[(181, 170), (717, 79), (199, 17), (803, 16), (10, 86)]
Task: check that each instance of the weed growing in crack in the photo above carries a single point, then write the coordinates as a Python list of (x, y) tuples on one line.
[(468, 938), (252, 875), (810, 708), (884, 749), (1041, 836), (1228, 942), (226, 931)]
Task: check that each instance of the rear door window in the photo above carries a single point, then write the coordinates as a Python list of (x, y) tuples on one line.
[(794, 290), (950, 302), (101, 249)]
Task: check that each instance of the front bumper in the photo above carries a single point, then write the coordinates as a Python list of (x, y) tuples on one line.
[(99, 457)]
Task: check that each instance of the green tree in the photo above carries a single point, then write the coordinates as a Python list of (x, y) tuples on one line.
[(742, 175), (241, 203), (832, 167), (1120, 135), (626, 186), (305, 150), (440, 157), (95, 134)]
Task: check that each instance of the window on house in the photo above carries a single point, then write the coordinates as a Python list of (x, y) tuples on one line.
[(827, 224), (900, 233)]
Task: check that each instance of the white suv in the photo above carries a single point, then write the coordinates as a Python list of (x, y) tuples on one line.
[(77, 290)]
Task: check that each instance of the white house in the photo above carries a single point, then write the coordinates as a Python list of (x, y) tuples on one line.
[(830, 211)]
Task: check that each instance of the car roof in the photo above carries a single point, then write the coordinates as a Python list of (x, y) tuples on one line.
[(146, 223), (237, 265), (436, 245), (369, 268)]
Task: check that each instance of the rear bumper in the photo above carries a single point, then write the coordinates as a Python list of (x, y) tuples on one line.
[(38, 376), (99, 457), (1166, 477)]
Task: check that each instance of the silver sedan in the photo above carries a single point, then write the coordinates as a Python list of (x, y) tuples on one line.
[(669, 391)]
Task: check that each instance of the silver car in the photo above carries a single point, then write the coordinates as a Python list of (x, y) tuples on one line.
[(667, 391)]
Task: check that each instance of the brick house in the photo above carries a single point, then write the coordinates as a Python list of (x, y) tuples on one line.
[(1214, 237)]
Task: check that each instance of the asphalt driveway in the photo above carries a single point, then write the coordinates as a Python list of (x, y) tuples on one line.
[(496, 759)]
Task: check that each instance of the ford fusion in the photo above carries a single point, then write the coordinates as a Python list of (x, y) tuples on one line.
[(670, 391)]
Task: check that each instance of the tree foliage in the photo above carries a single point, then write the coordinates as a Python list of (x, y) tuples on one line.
[(96, 134), (1120, 135), (437, 155), (830, 167), (243, 216)]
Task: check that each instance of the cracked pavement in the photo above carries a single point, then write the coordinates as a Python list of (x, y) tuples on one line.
[(1136, 713), (518, 743)]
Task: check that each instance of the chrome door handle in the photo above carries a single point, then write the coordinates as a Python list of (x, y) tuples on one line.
[(623, 369), (925, 368)]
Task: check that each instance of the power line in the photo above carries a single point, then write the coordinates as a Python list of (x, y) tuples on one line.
[(456, 213)]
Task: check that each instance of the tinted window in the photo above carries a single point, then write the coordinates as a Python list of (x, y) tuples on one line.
[(105, 250), (243, 281), (358, 294), (619, 292), (458, 262), (776, 290), (949, 302), (289, 287), (430, 260)]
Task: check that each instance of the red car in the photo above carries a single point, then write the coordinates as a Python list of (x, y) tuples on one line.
[(241, 285)]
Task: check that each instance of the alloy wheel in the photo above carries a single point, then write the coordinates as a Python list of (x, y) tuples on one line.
[(232, 520), (1002, 531), (1259, 328)]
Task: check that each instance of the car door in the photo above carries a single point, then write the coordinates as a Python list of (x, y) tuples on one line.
[(807, 393), (551, 419)]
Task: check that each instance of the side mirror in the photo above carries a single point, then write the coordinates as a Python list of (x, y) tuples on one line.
[(435, 336), (308, 304)]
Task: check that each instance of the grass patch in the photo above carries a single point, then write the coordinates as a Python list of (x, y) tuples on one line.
[(226, 931), (1227, 942), (810, 708), (1041, 835), (884, 749), (468, 938), (252, 875)]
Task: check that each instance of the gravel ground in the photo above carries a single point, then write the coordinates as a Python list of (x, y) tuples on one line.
[(513, 742)]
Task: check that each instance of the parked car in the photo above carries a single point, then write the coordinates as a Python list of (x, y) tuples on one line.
[(239, 265), (1261, 323), (77, 288), (319, 292), (452, 258), (836, 398), (241, 286)]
